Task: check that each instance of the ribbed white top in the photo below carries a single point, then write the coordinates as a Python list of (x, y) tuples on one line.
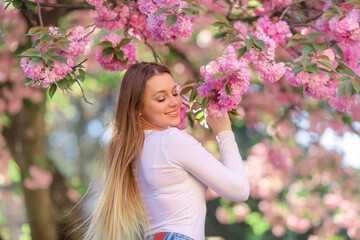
[(175, 171)]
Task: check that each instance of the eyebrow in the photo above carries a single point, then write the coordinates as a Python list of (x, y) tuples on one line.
[(161, 91)]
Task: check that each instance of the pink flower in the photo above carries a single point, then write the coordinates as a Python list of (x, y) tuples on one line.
[(107, 61), (234, 78), (346, 29), (39, 178), (184, 121), (277, 31), (344, 103)]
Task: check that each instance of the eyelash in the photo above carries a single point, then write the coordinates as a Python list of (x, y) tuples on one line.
[(161, 100)]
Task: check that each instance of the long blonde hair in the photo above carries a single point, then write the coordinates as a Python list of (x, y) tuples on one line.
[(119, 213)]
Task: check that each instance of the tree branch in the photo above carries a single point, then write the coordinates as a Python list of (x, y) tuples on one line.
[(82, 91), (39, 13), (68, 6)]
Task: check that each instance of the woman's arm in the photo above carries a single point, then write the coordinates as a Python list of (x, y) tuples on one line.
[(228, 179)]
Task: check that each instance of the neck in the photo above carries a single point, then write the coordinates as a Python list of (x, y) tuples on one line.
[(146, 125)]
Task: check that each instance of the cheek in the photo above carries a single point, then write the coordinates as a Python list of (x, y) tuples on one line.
[(180, 101)]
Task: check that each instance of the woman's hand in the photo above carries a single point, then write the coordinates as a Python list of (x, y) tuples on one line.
[(219, 124)]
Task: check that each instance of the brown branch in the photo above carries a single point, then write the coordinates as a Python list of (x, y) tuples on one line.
[(39, 13), (284, 12), (69, 6), (82, 91), (156, 56)]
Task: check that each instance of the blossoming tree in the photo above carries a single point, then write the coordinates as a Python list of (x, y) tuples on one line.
[(281, 62)]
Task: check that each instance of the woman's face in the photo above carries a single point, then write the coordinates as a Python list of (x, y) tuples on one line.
[(161, 102)]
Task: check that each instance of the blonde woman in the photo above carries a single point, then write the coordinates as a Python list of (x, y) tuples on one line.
[(156, 175)]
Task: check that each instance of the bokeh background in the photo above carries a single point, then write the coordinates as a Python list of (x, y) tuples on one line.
[(302, 157)]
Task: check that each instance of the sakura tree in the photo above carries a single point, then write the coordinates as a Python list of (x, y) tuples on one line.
[(278, 64)]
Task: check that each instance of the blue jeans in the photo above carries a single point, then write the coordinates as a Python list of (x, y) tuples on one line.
[(172, 236)]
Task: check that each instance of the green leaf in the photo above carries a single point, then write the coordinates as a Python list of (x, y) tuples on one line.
[(315, 36), (298, 69), (46, 57), (219, 24), (249, 43), (341, 88), (336, 8), (63, 84), (49, 63), (30, 5), (171, 20), (343, 78), (44, 31), (106, 44), (17, 3), (294, 42), (219, 75), (186, 90), (64, 41), (31, 52), (241, 51), (328, 14), (27, 81), (119, 54), (34, 30), (107, 52), (260, 44), (188, 11), (220, 18), (313, 68), (125, 41), (356, 85), (220, 35), (324, 57), (305, 61), (339, 51), (251, 36), (81, 75), (60, 58), (46, 37), (327, 64), (320, 46), (306, 51), (346, 71), (348, 89), (60, 45), (36, 60), (52, 90), (300, 36), (228, 90), (161, 11)]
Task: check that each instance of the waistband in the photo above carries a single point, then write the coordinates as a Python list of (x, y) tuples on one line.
[(169, 236)]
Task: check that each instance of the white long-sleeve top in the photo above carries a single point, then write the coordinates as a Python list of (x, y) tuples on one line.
[(175, 172)]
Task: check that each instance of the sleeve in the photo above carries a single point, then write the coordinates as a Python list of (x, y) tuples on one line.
[(228, 179)]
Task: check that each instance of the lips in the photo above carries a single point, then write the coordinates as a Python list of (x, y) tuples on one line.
[(173, 113)]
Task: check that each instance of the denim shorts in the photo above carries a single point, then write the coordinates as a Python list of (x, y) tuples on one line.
[(169, 236)]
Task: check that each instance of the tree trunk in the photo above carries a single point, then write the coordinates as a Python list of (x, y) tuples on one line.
[(26, 140)]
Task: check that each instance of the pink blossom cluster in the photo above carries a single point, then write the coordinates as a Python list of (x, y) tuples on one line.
[(235, 77), (270, 5), (79, 40), (107, 61), (47, 75), (346, 29), (118, 18), (184, 121), (158, 25), (44, 74), (264, 61), (277, 30)]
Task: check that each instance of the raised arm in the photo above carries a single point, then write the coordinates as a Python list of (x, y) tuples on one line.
[(228, 179)]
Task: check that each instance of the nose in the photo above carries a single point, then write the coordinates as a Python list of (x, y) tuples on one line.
[(174, 101)]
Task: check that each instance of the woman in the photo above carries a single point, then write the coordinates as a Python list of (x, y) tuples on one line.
[(156, 175)]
